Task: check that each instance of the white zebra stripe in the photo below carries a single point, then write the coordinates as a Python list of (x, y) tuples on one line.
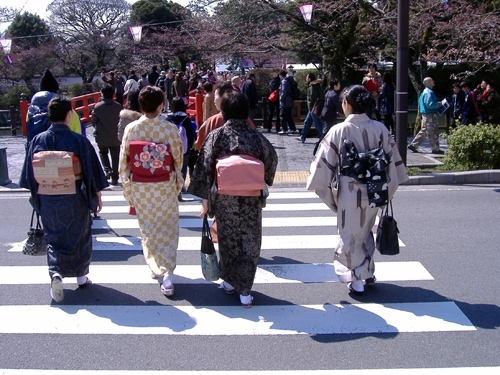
[(195, 208), (272, 195), (191, 274), (235, 320), (267, 222), (290, 242)]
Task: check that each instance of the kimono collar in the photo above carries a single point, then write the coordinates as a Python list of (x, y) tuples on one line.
[(59, 127), (354, 118), (236, 122)]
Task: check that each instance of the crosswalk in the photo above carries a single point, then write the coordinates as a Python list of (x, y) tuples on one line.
[(296, 290)]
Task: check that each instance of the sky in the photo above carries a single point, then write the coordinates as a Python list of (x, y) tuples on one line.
[(39, 6)]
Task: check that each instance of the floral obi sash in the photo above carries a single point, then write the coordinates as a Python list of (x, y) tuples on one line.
[(150, 162)]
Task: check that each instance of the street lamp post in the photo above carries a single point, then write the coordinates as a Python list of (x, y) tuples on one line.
[(402, 78)]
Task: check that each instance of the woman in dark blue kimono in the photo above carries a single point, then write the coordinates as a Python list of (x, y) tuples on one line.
[(66, 217)]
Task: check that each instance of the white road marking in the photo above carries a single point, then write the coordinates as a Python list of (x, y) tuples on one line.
[(131, 243), (267, 222), (191, 274), (235, 320), (272, 195), (195, 208)]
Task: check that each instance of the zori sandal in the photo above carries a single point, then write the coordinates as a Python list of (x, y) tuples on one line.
[(228, 288), (246, 301)]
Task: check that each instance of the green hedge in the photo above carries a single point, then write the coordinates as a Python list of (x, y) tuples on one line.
[(473, 147), (11, 98), (77, 89)]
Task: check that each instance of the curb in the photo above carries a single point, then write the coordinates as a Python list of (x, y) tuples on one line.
[(298, 179), (470, 177)]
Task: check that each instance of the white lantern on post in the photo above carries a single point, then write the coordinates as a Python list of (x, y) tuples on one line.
[(136, 32), (6, 46), (306, 11)]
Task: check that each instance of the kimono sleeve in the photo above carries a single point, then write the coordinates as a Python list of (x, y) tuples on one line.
[(124, 166), (323, 171), (270, 159), (397, 169), (178, 155)]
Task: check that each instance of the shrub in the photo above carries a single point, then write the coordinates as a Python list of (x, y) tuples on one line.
[(11, 98), (77, 89), (473, 147)]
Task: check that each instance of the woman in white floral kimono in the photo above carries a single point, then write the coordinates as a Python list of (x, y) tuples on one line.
[(353, 259), (150, 169)]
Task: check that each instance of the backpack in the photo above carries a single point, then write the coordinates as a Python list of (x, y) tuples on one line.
[(160, 82), (38, 121), (184, 138), (294, 88), (182, 131)]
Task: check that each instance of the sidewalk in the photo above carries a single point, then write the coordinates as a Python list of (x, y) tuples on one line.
[(293, 166)]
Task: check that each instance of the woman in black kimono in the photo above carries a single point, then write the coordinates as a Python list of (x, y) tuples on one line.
[(239, 218), (66, 217)]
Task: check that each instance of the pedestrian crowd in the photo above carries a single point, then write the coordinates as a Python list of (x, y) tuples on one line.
[(154, 146)]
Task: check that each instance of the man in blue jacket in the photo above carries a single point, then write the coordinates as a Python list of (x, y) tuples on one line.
[(286, 104), (428, 105)]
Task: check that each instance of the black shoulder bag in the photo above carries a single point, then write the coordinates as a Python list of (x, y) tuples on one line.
[(387, 241), (35, 244)]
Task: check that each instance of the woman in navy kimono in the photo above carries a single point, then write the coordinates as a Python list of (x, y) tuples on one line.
[(66, 217)]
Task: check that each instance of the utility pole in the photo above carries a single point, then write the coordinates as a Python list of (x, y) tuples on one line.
[(402, 77)]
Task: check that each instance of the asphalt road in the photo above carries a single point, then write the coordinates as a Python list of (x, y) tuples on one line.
[(452, 231)]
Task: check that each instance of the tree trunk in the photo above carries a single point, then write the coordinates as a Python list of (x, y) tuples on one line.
[(417, 86)]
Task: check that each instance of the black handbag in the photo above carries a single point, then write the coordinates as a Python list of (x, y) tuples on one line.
[(387, 241), (35, 244), (209, 261)]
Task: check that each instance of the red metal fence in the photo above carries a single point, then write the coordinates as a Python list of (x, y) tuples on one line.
[(83, 106)]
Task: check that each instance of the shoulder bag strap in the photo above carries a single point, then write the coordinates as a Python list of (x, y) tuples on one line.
[(205, 230), (38, 222)]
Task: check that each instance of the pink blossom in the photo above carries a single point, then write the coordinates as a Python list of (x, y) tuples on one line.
[(144, 156), (157, 164), (137, 164), (161, 149)]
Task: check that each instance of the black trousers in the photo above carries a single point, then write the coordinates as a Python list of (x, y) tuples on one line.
[(112, 169), (274, 106), (286, 119)]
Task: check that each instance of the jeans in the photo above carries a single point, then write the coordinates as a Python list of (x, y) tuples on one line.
[(318, 125)]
